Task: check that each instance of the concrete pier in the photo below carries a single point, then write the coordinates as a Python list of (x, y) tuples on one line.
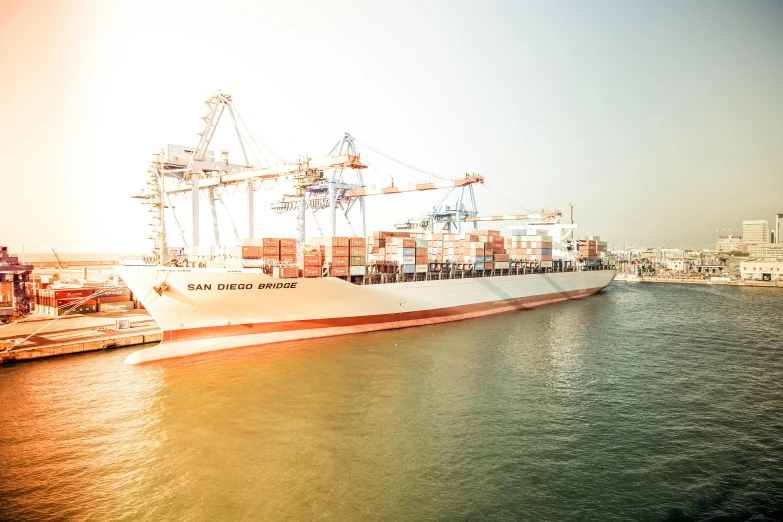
[(75, 334)]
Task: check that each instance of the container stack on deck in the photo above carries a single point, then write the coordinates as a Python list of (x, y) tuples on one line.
[(591, 248), (270, 251), (358, 256), (398, 252)]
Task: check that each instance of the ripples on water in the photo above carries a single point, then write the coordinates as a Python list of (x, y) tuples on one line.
[(647, 402)]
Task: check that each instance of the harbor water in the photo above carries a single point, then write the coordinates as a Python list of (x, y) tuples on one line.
[(645, 402)]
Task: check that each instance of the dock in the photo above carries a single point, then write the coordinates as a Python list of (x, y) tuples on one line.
[(41, 337)]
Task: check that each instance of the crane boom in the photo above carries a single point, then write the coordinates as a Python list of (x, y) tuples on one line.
[(59, 261), (456, 183), (518, 217), (302, 167)]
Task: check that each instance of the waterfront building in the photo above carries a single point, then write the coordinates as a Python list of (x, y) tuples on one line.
[(761, 270), (755, 231), (13, 277), (730, 244), (766, 251), (778, 222)]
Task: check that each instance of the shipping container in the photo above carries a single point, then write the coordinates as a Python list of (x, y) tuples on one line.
[(270, 252), (115, 307), (337, 261), (311, 271), (285, 272), (358, 270), (313, 260), (251, 252), (113, 299), (71, 292), (339, 271)]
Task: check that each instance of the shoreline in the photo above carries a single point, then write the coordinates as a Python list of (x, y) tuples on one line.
[(663, 280)]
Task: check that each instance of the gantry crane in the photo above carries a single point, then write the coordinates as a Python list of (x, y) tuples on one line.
[(313, 189)]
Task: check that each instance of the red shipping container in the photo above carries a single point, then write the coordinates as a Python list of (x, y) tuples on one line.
[(271, 252), (311, 271), (113, 299), (69, 302), (287, 251), (408, 243), (285, 272), (337, 261), (358, 251), (336, 251), (288, 242), (251, 252), (339, 271), (314, 261), (270, 242), (71, 292), (357, 242)]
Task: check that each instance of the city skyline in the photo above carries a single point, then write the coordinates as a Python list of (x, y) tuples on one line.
[(659, 122)]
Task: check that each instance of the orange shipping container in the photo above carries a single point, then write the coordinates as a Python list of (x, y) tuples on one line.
[(311, 271), (337, 261), (251, 252), (287, 242), (313, 261), (336, 251), (273, 252), (285, 272), (339, 271), (113, 299)]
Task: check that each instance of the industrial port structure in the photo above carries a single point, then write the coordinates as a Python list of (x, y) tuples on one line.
[(333, 183)]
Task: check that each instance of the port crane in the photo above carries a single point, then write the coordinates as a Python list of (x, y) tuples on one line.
[(196, 171), (60, 263)]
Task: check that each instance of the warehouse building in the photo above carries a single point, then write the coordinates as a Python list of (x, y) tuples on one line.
[(761, 270)]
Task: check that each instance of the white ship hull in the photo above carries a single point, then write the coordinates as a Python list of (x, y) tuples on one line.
[(201, 310)]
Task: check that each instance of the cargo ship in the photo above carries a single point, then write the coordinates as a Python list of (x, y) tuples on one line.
[(239, 304), (271, 289)]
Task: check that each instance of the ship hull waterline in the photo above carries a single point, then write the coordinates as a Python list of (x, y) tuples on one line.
[(205, 310)]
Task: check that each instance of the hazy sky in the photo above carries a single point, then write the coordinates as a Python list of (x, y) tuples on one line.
[(659, 121)]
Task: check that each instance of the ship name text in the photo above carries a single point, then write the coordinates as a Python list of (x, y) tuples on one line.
[(242, 286)]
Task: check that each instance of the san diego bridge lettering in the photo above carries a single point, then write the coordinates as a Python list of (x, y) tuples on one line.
[(242, 286)]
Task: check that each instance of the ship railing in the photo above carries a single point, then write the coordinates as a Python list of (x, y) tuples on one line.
[(387, 272), (138, 261)]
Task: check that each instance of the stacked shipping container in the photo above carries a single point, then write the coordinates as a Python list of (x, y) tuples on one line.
[(591, 248), (59, 301), (406, 252)]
